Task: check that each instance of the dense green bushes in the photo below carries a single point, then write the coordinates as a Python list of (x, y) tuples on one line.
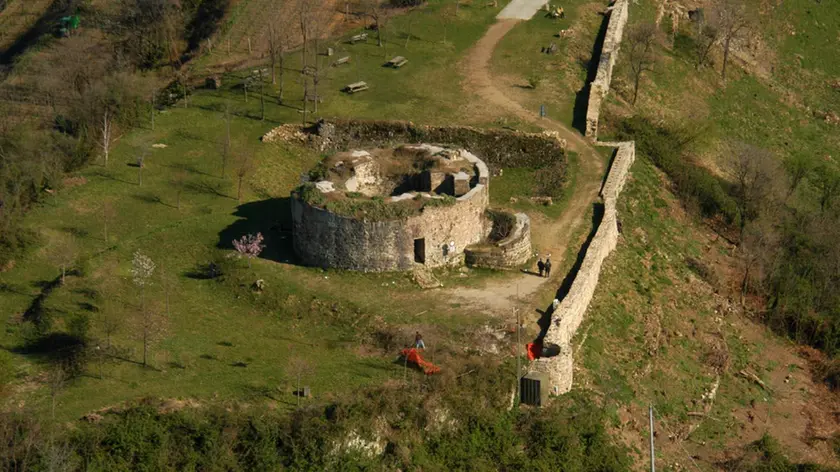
[(696, 185), (411, 431), (765, 455), (497, 147)]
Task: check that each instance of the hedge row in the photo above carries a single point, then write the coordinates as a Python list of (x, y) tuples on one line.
[(498, 148)]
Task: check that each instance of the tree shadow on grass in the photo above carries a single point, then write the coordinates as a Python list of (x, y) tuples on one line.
[(582, 96), (54, 348), (270, 217)]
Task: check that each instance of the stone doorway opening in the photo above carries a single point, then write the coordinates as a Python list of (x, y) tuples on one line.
[(420, 250)]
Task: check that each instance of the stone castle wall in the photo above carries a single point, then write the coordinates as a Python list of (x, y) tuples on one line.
[(609, 54), (509, 253), (567, 318), (325, 239), (569, 314)]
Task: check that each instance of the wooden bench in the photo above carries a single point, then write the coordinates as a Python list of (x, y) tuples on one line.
[(356, 87), (359, 37), (397, 62), (343, 60)]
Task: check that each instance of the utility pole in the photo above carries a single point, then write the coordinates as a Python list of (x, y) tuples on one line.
[(652, 460), (518, 343)]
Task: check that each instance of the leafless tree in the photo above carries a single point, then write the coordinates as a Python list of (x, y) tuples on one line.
[(63, 252), (57, 454), (244, 167), (109, 316), (142, 152), (109, 321), (375, 10), (57, 377), (106, 134), (706, 39), (826, 180), (179, 183), (150, 325), (756, 181), (448, 14), (299, 367), (107, 213), (305, 10), (798, 167), (410, 16), (226, 138), (277, 44), (732, 21), (641, 42), (20, 434), (183, 75)]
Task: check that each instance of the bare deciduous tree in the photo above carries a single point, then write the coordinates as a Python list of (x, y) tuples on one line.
[(106, 134), (244, 166), (179, 183), (641, 42), (732, 21), (706, 39), (756, 176), (57, 377), (20, 434), (375, 10), (226, 138), (826, 179), (299, 367), (150, 325), (797, 166), (107, 213), (63, 253)]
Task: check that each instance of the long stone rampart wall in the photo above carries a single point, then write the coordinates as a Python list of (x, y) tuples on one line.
[(609, 54), (568, 316)]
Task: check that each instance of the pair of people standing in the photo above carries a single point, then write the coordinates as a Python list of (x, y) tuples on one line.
[(544, 267)]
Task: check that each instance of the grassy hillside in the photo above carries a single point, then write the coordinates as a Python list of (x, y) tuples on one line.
[(666, 326), (222, 339)]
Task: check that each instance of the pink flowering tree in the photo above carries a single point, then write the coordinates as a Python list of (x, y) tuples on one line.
[(249, 246)]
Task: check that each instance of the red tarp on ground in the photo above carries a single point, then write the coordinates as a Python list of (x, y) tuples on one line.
[(534, 350), (413, 356)]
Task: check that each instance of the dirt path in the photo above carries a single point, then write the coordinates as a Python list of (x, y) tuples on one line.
[(500, 295)]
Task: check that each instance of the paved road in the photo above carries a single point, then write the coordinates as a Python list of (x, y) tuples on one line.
[(520, 9)]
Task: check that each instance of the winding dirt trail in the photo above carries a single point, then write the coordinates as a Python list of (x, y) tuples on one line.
[(501, 295)]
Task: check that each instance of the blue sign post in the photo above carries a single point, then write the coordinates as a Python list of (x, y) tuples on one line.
[(542, 111)]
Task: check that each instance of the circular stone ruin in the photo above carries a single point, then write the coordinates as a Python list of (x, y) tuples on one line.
[(392, 209)]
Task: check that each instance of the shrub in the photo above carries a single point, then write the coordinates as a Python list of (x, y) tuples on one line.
[(309, 194), (503, 224), (665, 147), (447, 200), (551, 181)]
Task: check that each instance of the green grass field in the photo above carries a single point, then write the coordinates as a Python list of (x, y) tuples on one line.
[(223, 340), (560, 76)]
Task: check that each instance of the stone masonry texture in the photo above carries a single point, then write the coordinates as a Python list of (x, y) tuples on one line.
[(609, 54)]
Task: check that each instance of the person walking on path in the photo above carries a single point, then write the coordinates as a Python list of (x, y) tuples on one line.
[(548, 267), (418, 341), (541, 266)]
